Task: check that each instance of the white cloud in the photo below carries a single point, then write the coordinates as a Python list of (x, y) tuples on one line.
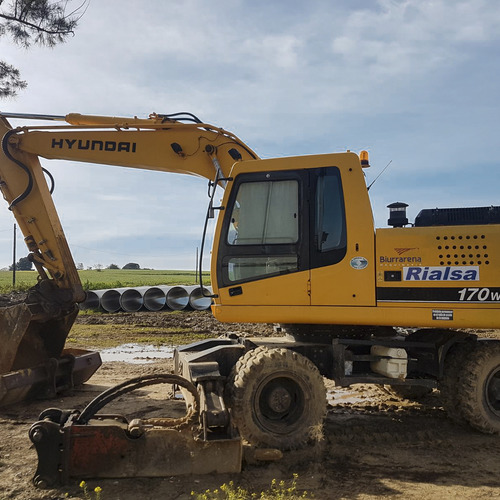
[(413, 81)]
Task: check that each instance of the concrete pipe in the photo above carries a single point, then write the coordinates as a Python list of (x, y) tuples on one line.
[(159, 297), (177, 298), (154, 298), (131, 300), (110, 299), (92, 300), (197, 300)]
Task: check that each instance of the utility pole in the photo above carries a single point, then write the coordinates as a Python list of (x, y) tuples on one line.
[(14, 259)]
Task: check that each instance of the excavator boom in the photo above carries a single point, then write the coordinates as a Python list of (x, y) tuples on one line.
[(35, 331)]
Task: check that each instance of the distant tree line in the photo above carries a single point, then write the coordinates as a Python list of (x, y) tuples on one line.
[(130, 265), (24, 264)]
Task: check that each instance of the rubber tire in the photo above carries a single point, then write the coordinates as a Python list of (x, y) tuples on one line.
[(452, 376), (479, 387), (266, 376), (410, 392)]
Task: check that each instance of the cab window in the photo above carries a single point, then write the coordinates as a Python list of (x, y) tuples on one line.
[(265, 213), (282, 222), (329, 213), (329, 238), (262, 231)]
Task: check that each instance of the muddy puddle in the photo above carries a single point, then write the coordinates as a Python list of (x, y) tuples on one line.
[(137, 353), (344, 395)]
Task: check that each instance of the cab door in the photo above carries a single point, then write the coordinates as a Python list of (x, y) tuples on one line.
[(263, 249)]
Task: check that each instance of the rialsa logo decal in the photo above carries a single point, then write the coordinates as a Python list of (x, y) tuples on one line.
[(441, 273)]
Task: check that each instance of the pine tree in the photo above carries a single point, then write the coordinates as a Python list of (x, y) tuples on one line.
[(40, 22)]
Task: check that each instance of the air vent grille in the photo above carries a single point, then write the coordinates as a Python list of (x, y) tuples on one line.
[(462, 250)]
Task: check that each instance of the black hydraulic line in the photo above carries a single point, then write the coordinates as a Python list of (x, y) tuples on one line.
[(202, 247), (189, 117), (52, 181), (130, 385), (183, 116), (204, 234), (29, 187)]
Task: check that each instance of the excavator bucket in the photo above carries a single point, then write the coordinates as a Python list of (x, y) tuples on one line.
[(33, 361)]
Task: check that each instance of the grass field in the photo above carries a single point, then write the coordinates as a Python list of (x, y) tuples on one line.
[(109, 278)]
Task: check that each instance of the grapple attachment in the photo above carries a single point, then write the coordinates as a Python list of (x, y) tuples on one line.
[(73, 444)]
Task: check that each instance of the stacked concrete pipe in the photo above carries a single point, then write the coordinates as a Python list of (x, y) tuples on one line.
[(110, 299), (151, 298), (110, 303), (92, 300), (132, 299), (157, 298), (199, 299)]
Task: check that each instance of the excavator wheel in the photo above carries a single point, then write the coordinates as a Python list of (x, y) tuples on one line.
[(478, 390), (453, 371), (278, 398)]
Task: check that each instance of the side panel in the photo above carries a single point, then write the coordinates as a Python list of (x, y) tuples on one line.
[(455, 266), (287, 290), (405, 316)]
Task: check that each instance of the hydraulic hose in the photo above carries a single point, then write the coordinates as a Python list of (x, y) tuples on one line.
[(29, 187), (136, 383)]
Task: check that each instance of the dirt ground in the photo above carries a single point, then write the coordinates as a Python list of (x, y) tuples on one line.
[(374, 444)]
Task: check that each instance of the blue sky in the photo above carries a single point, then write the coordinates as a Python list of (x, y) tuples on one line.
[(414, 82)]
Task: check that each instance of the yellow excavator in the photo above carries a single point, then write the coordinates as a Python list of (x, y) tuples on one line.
[(294, 245)]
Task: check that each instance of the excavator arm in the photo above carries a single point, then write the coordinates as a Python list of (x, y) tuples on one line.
[(35, 331)]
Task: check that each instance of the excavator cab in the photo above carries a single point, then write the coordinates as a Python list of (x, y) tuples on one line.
[(286, 237)]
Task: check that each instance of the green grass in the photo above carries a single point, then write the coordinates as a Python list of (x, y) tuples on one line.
[(24, 280), (108, 278), (105, 336)]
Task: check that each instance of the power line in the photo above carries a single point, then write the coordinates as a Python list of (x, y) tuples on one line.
[(100, 251)]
